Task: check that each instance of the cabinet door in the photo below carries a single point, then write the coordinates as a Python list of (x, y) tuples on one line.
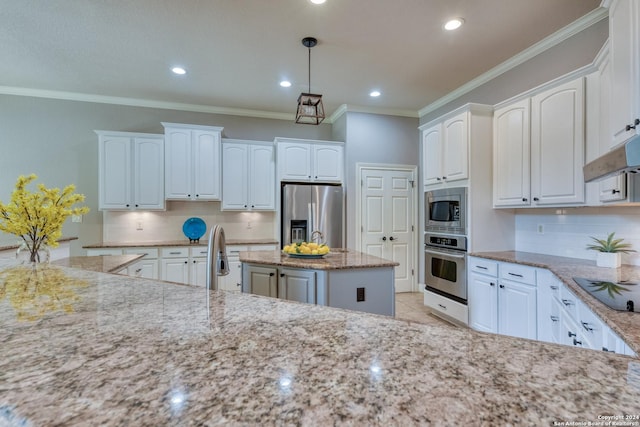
[(206, 165), (294, 161), (570, 333), (177, 163), (198, 273), (148, 173), (432, 155), (557, 145), (547, 308), (328, 163), (455, 143), (235, 176), (517, 309), (511, 151), (147, 269), (483, 302), (624, 20), (297, 285), (261, 280), (115, 172), (233, 280), (175, 270), (262, 181)]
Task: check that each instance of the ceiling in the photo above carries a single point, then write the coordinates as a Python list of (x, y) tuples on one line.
[(237, 51)]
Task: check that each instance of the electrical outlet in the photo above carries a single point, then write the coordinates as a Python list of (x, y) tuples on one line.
[(76, 218), (540, 229), (139, 225), (249, 225)]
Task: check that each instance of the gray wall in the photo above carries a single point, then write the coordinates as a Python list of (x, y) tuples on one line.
[(573, 53), (375, 138), (55, 140)]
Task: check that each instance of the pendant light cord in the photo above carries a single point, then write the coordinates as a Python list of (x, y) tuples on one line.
[(309, 69)]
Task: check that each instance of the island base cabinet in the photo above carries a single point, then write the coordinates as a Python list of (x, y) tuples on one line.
[(260, 280), (369, 290), (297, 285)]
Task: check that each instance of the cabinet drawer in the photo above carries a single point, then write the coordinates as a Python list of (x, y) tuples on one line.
[(198, 251), (518, 273), (150, 253), (175, 252), (570, 302), (549, 284), (483, 266), (235, 250)]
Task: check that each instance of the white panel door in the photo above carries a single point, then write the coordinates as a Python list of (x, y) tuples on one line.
[(206, 161), (175, 270), (327, 163), (517, 310), (483, 302), (387, 218), (432, 155), (455, 143), (198, 274), (262, 182), (235, 176), (115, 172), (297, 285), (149, 173), (177, 163), (294, 161)]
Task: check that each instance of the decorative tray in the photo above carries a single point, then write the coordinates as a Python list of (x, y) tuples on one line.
[(308, 256)]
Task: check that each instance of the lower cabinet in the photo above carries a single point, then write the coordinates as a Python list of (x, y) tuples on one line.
[(362, 289)]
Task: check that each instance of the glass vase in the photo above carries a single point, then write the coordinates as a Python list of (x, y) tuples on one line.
[(27, 253)]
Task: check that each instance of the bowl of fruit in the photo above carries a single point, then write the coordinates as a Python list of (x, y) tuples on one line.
[(306, 250)]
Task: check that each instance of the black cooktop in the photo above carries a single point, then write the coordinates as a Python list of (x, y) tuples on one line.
[(622, 296)]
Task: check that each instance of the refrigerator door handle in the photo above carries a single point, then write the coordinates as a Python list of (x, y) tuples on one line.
[(310, 230)]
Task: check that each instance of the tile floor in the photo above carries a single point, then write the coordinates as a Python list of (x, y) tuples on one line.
[(410, 306)]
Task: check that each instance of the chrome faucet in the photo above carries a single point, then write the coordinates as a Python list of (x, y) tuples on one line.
[(317, 236), (217, 263)]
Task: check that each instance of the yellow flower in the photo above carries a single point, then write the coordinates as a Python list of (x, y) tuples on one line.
[(37, 217)]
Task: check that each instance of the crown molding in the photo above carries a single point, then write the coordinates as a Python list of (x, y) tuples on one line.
[(134, 102), (344, 108), (559, 36)]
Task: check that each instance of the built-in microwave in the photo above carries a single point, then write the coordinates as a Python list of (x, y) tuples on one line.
[(446, 210)]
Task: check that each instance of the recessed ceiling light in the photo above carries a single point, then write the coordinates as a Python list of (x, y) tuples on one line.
[(179, 70), (374, 93), (285, 83), (454, 24), (318, 1)]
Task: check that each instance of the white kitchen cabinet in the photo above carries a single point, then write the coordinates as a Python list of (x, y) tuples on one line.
[(502, 298), (297, 285), (553, 152), (511, 155), (445, 148), (146, 267), (175, 270), (130, 171), (193, 162), (558, 145), (248, 175), (260, 280), (309, 161), (624, 33)]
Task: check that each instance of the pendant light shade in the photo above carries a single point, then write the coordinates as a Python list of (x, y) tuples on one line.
[(310, 110)]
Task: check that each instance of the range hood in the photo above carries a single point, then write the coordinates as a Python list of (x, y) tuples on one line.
[(625, 158)]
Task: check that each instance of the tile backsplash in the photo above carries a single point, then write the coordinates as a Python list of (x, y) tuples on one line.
[(152, 226), (566, 232)]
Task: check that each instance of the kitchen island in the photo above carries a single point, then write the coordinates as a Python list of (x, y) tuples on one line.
[(343, 278), (134, 351)]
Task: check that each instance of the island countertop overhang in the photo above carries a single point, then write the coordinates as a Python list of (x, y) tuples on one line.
[(336, 260)]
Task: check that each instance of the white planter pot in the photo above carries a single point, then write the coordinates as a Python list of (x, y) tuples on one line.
[(608, 259)]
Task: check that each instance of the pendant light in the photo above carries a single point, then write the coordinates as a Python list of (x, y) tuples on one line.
[(310, 109)]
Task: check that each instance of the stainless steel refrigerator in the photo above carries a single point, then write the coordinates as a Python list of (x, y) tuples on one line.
[(308, 208)]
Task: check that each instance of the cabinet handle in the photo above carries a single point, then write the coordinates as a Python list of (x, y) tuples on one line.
[(194, 261), (444, 177), (188, 195), (391, 238), (567, 302), (516, 275), (444, 307), (535, 199), (481, 267), (438, 179), (138, 270), (186, 262), (137, 205), (384, 238), (491, 284), (501, 286), (309, 177), (252, 206), (272, 274), (586, 326), (554, 318), (245, 206), (128, 205), (316, 177), (197, 195), (281, 274), (553, 288), (606, 349), (576, 342), (238, 284), (524, 199), (615, 191), (571, 334), (174, 253), (636, 122)]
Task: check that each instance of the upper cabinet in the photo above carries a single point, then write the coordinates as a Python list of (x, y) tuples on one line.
[(131, 171), (624, 39), (192, 155), (445, 148), (248, 175), (310, 161), (550, 141)]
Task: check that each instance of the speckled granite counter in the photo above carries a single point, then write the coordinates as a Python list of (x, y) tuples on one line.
[(184, 242), (341, 259), (16, 246), (626, 324), (126, 351), (99, 263)]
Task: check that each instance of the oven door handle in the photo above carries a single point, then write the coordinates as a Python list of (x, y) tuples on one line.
[(445, 254)]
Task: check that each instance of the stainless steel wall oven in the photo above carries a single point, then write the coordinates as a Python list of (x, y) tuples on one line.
[(445, 262)]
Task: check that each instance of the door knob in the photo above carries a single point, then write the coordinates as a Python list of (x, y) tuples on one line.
[(384, 238)]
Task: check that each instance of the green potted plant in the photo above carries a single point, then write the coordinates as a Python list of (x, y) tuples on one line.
[(609, 251)]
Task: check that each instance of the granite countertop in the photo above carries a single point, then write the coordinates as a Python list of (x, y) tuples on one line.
[(335, 260), (625, 324), (100, 263), (182, 242), (17, 245), (104, 349)]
